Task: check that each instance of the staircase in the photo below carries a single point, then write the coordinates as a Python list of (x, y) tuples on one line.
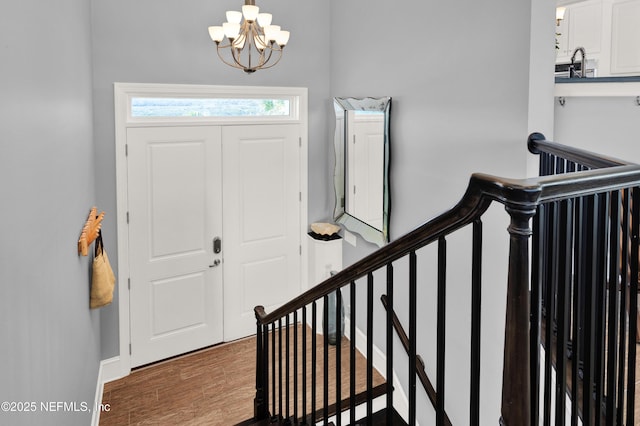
[(574, 296)]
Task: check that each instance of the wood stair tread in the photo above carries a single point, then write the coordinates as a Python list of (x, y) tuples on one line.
[(379, 418)]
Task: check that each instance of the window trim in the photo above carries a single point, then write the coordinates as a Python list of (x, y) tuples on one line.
[(131, 91)]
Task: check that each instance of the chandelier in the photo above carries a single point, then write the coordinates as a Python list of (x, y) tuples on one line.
[(253, 43)]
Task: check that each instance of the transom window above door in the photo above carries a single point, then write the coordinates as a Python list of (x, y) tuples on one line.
[(153, 104), (209, 107)]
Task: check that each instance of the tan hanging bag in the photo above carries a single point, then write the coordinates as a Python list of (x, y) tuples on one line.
[(102, 278)]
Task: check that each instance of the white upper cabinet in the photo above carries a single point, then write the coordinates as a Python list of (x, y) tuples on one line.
[(609, 31), (625, 37), (581, 27)]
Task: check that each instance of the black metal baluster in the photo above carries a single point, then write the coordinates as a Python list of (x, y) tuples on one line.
[(565, 251), (314, 349), (599, 299), (325, 374), (476, 300), (578, 284), (280, 368), (295, 367), (590, 311), (338, 319), (273, 370), (412, 336), (352, 353), (369, 348), (390, 344), (624, 283), (633, 306), (304, 365), (614, 274), (287, 370), (441, 330), (550, 277)]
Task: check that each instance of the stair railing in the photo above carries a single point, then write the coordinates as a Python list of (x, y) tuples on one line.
[(584, 297), (282, 394)]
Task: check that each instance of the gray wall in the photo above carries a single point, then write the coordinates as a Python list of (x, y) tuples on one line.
[(50, 347), (455, 112), (164, 41), (606, 125), (458, 108)]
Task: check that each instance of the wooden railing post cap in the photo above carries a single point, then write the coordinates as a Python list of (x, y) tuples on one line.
[(533, 137), (259, 311)]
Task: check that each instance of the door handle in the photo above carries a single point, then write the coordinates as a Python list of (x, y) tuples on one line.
[(215, 263), (217, 245)]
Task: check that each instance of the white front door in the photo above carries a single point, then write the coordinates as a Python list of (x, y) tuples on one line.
[(261, 211), (175, 199)]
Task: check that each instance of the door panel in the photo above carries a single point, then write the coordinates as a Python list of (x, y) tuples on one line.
[(261, 210), (175, 197)]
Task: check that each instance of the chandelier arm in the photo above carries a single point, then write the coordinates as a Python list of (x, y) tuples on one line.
[(235, 64), (276, 61), (235, 55)]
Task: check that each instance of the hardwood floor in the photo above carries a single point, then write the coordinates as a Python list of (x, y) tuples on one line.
[(214, 386)]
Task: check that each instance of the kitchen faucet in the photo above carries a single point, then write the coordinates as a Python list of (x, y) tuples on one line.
[(583, 65)]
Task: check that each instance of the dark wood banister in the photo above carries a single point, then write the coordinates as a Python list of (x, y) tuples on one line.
[(537, 145), (521, 198), (481, 191)]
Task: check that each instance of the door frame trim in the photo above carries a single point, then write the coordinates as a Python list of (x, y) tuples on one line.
[(123, 92)]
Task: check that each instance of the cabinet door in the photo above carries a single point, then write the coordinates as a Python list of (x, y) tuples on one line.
[(625, 37), (585, 27)]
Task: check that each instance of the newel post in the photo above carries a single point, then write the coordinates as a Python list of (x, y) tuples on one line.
[(260, 410), (516, 379)]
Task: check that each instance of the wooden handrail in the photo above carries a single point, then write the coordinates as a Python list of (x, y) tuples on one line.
[(481, 191), (537, 145)]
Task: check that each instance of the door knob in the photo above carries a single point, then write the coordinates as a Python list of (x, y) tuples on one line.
[(215, 263)]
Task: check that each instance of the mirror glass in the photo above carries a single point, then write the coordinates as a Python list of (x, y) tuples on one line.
[(362, 166)]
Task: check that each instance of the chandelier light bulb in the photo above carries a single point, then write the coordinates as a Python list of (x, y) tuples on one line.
[(264, 19), (282, 38), (234, 16), (271, 32), (231, 30), (250, 12), (216, 33)]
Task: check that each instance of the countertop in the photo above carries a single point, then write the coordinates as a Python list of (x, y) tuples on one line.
[(598, 87), (631, 79)]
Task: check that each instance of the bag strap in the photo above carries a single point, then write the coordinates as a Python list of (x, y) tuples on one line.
[(99, 247)]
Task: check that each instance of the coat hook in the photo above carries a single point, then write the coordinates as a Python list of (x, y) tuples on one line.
[(561, 100)]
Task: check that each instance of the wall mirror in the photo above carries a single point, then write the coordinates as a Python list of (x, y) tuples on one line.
[(361, 175)]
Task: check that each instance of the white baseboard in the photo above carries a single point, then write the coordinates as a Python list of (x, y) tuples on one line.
[(111, 369), (108, 371)]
